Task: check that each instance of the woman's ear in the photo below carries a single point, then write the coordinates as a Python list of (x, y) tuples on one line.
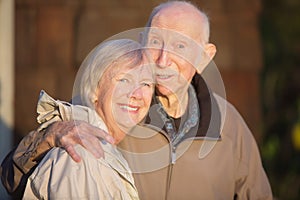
[(209, 51), (95, 98)]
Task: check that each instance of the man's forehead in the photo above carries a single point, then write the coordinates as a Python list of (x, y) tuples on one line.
[(186, 21), (169, 34)]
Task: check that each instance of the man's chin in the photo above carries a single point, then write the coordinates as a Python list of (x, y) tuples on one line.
[(164, 90)]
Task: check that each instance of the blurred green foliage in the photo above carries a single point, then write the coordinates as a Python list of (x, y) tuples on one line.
[(280, 80)]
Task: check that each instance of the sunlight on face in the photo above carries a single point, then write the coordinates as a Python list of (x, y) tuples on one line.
[(127, 96), (175, 56)]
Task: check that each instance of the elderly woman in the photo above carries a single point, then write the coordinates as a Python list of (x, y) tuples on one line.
[(116, 87)]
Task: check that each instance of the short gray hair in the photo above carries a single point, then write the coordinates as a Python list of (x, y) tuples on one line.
[(157, 9), (101, 58)]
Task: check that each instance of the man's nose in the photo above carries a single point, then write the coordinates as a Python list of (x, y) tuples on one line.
[(163, 59)]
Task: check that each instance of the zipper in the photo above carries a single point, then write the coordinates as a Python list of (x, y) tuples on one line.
[(172, 162), (173, 154), (173, 157), (169, 178), (170, 169)]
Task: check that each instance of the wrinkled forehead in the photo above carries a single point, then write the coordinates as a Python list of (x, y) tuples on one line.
[(169, 35), (172, 41), (190, 24)]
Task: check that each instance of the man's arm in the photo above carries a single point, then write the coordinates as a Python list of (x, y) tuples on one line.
[(20, 162), (251, 180)]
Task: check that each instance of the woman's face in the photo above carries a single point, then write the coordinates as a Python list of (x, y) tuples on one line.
[(125, 96)]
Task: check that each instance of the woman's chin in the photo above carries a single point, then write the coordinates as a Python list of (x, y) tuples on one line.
[(126, 125)]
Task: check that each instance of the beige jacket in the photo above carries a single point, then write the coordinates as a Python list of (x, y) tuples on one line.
[(224, 169), (59, 177)]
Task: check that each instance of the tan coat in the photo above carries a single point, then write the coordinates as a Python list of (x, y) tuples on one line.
[(203, 169), (59, 177)]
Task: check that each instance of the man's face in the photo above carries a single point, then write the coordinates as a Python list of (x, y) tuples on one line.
[(174, 55), (174, 48)]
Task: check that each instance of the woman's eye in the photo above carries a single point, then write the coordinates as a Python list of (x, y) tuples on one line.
[(123, 80)]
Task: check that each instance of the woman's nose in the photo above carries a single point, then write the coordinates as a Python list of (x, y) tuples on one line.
[(136, 93)]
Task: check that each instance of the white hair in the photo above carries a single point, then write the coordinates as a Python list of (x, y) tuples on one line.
[(102, 58), (157, 9)]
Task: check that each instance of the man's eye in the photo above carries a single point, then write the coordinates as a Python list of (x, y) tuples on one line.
[(146, 84), (155, 42), (180, 46)]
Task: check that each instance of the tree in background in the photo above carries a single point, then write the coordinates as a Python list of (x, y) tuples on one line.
[(280, 78)]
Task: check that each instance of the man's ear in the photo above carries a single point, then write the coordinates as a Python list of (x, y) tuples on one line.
[(209, 51)]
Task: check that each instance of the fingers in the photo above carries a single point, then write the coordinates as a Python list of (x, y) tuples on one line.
[(74, 155), (109, 138), (101, 134), (94, 147), (97, 132), (68, 134)]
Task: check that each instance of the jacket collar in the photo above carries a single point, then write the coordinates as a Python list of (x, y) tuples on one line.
[(210, 119), (209, 123)]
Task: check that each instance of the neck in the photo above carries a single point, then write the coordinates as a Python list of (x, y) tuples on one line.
[(113, 129), (117, 134), (174, 104)]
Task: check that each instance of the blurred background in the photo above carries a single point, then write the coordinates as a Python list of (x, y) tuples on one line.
[(43, 42)]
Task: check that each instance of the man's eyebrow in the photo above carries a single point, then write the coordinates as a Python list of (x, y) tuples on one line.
[(181, 39), (154, 31)]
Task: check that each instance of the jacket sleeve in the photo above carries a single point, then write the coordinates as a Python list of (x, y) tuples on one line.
[(251, 181), (21, 161)]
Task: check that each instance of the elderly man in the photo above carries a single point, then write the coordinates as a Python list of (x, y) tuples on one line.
[(188, 116), (213, 155)]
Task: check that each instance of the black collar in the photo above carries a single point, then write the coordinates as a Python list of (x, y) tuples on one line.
[(210, 118)]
